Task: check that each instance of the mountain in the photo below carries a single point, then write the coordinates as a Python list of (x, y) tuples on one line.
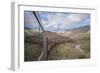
[(77, 32), (35, 43), (84, 28), (65, 44), (81, 36)]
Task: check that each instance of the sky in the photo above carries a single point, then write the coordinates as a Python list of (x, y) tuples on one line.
[(56, 21)]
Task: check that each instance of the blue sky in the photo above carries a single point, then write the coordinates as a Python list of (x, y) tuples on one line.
[(56, 21)]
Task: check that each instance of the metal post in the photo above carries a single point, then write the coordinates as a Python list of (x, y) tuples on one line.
[(45, 47)]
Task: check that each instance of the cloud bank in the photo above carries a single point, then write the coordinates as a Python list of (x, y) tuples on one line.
[(58, 21)]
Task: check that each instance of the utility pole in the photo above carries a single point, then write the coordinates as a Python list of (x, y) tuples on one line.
[(43, 55)]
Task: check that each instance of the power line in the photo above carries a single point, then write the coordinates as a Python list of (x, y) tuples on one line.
[(38, 19)]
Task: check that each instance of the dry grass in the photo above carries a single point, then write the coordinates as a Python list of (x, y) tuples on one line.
[(65, 51), (61, 51), (32, 52)]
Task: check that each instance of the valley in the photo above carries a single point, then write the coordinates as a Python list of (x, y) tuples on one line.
[(68, 44)]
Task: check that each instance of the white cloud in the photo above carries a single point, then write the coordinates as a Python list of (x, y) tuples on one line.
[(65, 20), (56, 21), (29, 18)]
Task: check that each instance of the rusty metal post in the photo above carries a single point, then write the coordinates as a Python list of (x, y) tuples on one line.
[(45, 46)]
